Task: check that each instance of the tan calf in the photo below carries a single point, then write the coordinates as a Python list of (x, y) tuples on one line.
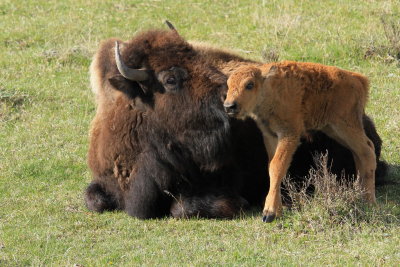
[(288, 99)]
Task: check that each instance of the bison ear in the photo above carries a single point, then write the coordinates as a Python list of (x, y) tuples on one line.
[(126, 86), (119, 82)]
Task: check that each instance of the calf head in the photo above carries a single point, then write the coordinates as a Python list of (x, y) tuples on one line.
[(244, 87)]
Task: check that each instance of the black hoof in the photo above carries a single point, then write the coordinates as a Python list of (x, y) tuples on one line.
[(269, 217)]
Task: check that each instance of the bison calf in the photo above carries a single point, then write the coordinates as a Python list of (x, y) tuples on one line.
[(287, 100)]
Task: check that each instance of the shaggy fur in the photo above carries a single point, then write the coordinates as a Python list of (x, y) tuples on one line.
[(157, 147), (289, 99), (146, 144)]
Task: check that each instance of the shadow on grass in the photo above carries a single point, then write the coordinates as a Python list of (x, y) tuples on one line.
[(390, 191)]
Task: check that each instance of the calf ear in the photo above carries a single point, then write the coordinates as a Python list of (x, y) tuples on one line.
[(270, 73)]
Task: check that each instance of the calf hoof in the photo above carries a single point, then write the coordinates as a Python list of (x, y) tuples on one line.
[(269, 217)]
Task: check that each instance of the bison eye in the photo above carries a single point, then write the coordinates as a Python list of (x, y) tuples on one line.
[(171, 80), (249, 86)]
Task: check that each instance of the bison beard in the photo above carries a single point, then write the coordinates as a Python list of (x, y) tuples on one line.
[(165, 147)]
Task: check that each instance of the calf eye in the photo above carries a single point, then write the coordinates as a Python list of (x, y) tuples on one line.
[(171, 80), (249, 86)]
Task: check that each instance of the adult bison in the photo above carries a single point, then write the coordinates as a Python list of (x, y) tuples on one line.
[(161, 143)]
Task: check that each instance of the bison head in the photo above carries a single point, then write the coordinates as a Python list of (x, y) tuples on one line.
[(160, 73)]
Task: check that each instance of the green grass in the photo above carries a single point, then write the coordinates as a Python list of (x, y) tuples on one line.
[(46, 107)]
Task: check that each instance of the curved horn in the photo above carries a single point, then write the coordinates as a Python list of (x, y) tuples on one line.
[(128, 73), (170, 26)]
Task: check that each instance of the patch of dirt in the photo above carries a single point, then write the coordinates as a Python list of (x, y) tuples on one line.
[(11, 104)]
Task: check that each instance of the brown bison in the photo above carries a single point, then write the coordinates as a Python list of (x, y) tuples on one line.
[(161, 143), (287, 100)]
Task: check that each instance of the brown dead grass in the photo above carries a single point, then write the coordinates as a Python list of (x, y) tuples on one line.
[(333, 201)]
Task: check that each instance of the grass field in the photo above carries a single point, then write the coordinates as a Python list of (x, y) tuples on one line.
[(46, 107)]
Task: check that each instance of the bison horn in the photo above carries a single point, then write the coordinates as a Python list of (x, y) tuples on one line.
[(170, 26), (137, 75)]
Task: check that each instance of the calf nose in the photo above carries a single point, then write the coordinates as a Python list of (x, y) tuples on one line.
[(230, 107)]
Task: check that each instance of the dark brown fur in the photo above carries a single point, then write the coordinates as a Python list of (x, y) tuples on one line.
[(155, 148)]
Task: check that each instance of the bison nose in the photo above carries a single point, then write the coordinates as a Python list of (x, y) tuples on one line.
[(230, 108)]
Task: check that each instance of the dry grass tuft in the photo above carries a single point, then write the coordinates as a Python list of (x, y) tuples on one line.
[(391, 26), (389, 52), (333, 201), (269, 55)]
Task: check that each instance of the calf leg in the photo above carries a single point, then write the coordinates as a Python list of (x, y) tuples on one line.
[(278, 167), (363, 151)]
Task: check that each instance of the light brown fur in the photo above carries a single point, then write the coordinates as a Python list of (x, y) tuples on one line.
[(290, 98)]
